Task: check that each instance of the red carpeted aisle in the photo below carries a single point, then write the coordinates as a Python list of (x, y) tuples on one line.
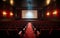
[(29, 31)]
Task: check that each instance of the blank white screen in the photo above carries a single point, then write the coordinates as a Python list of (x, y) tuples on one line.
[(29, 13)]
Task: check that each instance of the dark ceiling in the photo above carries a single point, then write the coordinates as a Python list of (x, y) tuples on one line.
[(22, 4)]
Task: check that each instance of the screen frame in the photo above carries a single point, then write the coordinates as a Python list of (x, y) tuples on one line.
[(29, 18)]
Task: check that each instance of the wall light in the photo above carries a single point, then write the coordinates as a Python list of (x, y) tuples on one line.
[(55, 12), (48, 2), (4, 13), (11, 14), (11, 2), (48, 14)]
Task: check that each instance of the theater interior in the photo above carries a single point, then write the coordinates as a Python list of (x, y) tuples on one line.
[(29, 19)]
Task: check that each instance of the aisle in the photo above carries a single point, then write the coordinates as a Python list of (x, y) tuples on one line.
[(29, 31)]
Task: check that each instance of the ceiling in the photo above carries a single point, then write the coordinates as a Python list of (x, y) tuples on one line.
[(23, 3)]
